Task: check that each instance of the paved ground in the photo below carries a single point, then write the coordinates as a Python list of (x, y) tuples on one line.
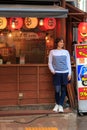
[(20, 120), (82, 122), (62, 121)]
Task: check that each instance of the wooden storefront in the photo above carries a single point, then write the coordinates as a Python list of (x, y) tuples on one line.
[(29, 81), (25, 84)]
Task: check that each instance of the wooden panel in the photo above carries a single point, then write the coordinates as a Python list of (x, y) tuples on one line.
[(28, 86), (7, 102), (46, 86), (28, 70), (46, 89), (8, 78), (8, 87), (28, 101), (29, 94), (8, 70), (44, 70), (28, 78), (45, 100), (46, 94), (8, 95), (45, 77), (35, 82)]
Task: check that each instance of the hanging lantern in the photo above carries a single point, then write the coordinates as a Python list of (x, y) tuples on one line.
[(48, 24), (3, 22), (15, 23), (82, 32), (82, 27), (31, 22)]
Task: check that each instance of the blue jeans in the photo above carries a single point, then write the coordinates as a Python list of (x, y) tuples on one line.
[(60, 96), (60, 81)]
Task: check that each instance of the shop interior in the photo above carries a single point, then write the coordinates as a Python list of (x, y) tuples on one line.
[(26, 40)]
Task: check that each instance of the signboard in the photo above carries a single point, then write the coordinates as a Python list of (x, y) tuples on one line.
[(81, 60), (83, 93), (81, 72)]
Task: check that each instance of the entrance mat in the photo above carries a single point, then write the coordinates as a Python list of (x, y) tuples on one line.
[(41, 128)]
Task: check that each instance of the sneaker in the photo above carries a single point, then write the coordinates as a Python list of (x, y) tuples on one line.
[(61, 108), (55, 109)]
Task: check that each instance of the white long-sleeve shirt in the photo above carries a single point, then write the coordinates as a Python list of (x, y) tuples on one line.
[(59, 61)]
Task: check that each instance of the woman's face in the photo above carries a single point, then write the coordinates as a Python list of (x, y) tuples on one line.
[(60, 44)]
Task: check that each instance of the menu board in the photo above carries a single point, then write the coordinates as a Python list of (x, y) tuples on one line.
[(81, 66)]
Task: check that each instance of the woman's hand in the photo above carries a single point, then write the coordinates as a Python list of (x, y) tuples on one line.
[(53, 72), (69, 77)]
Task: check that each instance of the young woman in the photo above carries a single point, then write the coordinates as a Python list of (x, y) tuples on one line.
[(60, 66)]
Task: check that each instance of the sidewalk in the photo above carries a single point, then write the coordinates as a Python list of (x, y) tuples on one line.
[(24, 119), (65, 121)]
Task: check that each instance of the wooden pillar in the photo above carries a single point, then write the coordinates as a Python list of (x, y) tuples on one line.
[(69, 34), (63, 3), (62, 31)]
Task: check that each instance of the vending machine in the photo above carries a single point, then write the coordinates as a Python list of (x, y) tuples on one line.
[(81, 74)]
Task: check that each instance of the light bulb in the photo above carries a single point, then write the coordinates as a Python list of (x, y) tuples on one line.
[(13, 24), (41, 22)]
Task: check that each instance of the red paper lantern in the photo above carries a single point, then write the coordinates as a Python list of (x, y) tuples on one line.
[(15, 23), (82, 32), (48, 24), (82, 27)]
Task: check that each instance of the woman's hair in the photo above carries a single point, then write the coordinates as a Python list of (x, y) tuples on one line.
[(58, 39)]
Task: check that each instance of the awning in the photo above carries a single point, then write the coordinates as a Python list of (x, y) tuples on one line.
[(17, 10), (75, 13)]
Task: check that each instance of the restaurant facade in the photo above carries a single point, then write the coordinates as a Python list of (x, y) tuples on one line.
[(27, 34)]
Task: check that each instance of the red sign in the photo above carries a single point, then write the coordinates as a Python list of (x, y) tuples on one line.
[(81, 51), (83, 93)]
